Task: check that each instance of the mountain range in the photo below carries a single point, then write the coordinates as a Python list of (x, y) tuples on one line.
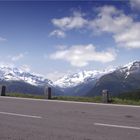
[(123, 79), (85, 83), (78, 84), (19, 81), (91, 83)]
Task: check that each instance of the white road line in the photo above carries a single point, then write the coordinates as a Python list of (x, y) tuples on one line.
[(21, 115), (73, 102), (117, 126)]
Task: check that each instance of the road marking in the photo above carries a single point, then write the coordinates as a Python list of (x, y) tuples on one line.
[(21, 115), (117, 126), (73, 102)]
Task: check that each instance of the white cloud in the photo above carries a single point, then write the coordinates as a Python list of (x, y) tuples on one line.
[(129, 38), (135, 4), (73, 22), (109, 19), (2, 39), (81, 55), (58, 33), (124, 29), (17, 57)]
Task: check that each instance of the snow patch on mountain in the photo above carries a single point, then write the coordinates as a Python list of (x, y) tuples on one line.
[(132, 67), (9, 73), (16, 74), (75, 79)]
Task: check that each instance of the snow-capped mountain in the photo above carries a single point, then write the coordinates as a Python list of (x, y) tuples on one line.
[(79, 84), (80, 78), (20, 81), (123, 79), (16, 74), (130, 68), (83, 83)]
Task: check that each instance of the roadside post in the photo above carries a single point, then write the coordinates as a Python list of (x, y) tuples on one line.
[(48, 92), (106, 98), (3, 90)]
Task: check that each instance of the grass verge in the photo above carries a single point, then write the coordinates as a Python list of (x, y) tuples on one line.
[(97, 99), (125, 101), (25, 95)]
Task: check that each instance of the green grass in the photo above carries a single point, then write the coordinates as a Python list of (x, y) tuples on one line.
[(125, 101), (97, 99), (25, 95)]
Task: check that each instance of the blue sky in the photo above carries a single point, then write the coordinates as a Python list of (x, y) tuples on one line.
[(58, 37)]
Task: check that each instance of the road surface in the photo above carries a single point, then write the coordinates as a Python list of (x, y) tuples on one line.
[(31, 119)]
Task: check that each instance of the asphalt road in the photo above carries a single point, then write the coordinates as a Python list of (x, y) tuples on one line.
[(24, 119)]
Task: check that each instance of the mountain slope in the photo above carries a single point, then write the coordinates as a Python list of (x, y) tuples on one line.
[(126, 78), (19, 81), (15, 74), (79, 84), (86, 83)]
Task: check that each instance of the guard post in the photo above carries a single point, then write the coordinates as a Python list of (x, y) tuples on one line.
[(3, 90), (48, 92), (106, 98)]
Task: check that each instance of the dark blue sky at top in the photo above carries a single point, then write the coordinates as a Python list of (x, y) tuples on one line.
[(27, 24)]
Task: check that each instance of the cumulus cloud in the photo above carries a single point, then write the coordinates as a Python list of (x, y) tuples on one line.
[(124, 29), (75, 21), (81, 55), (135, 4), (58, 33), (109, 19), (130, 38)]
